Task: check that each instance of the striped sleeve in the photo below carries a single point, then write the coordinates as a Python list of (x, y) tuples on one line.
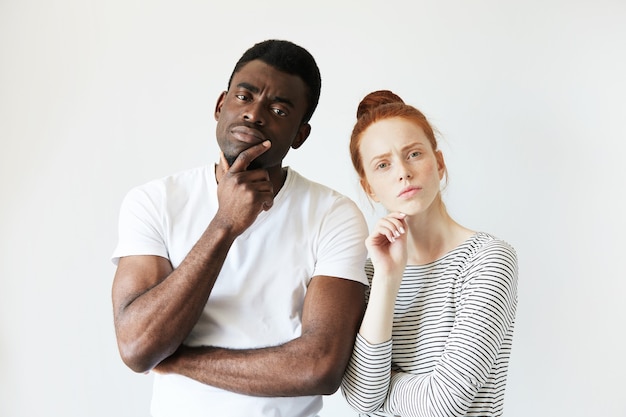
[(486, 301), (366, 380)]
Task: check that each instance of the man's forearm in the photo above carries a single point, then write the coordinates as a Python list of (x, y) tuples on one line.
[(311, 364), (268, 372)]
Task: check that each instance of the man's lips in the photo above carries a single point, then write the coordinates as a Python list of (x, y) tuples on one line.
[(408, 192), (247, 134)]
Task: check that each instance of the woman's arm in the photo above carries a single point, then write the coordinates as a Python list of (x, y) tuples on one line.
[(366, 380), (485, 316)]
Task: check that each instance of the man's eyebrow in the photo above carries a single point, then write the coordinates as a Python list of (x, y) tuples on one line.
[(283, 100), (249, 87), (255, 89)]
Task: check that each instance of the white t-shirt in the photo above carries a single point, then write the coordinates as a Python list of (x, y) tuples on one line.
[(257, 299)]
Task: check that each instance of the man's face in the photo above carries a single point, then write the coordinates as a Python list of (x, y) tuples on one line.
[(261, 104)]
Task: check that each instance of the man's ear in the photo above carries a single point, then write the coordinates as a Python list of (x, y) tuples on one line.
[(368, 190), (218, 105), (303, 133)]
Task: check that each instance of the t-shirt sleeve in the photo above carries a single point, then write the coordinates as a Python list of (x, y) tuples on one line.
[(140, 227), (342, 249)]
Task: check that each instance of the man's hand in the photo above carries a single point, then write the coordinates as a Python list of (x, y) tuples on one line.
[(242, 194), (155, 306)]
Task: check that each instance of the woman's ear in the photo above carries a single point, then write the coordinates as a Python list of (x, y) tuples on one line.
[(368, 190), (441, 164)]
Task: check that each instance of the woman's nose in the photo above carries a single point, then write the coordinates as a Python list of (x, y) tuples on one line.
[(404, 173)]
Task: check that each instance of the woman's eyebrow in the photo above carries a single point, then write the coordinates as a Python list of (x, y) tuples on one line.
[(380, 156)]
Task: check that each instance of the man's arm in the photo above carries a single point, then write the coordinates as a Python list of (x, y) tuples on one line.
[(154, 306), (311, 364)]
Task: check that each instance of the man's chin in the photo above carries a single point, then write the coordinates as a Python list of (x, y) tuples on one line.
[(230, 159), (255, 164)]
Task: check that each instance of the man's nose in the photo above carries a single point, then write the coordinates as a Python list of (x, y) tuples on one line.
[(254, 113)]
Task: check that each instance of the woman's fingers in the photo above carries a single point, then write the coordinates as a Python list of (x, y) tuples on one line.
[(391, 226)]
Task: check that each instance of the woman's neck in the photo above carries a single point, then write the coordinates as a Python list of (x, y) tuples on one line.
[(432, 235)]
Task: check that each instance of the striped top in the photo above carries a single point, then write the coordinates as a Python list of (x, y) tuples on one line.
[(451, 340)]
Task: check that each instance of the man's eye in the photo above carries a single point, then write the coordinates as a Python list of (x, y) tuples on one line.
[(414, 154), (241, 97), (382, 165), (279, 112)]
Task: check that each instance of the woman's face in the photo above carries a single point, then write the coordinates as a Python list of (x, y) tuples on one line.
[(402, 171)]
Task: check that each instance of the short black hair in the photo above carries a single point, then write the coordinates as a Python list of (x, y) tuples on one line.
[(290, 58)]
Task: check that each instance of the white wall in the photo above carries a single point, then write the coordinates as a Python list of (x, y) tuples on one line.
[(99, 96)]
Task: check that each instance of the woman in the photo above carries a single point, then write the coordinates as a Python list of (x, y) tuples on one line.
[(436, 336)]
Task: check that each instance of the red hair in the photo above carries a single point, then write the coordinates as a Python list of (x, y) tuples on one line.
[(380, 105)]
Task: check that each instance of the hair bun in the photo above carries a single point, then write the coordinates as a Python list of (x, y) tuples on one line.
[(376, 99)]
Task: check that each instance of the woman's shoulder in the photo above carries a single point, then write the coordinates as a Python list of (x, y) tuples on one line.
[(486, 252), (484, 241)]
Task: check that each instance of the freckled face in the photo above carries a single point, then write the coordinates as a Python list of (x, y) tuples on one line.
[(261, 104), (402, 171)]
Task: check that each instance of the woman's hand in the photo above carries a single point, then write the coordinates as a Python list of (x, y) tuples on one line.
[(387, 245), (388, 251)]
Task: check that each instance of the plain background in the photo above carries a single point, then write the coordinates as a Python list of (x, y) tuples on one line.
[(99, 96)]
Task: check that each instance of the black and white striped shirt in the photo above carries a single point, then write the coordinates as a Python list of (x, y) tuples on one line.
[(451, 341)]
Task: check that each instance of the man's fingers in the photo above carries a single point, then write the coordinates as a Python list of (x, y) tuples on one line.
[(246, 157), (224, 162)]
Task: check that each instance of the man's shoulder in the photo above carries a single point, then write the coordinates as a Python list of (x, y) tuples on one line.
[(177, 187), (322, 201), (303, 184)]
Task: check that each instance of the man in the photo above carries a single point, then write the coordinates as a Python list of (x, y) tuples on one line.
[(241, 284)]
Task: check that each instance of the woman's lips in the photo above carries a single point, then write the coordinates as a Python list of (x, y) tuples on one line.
[(408, 192)]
